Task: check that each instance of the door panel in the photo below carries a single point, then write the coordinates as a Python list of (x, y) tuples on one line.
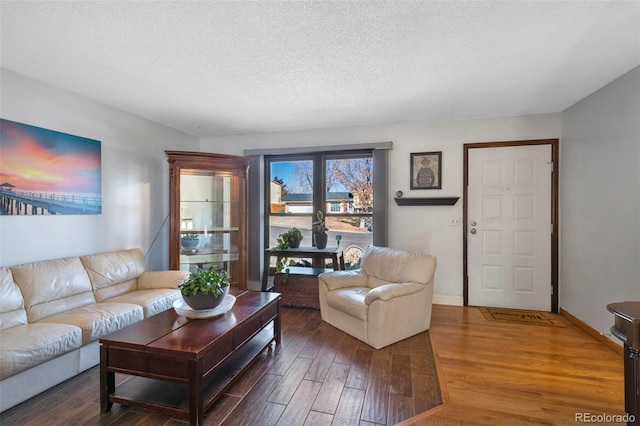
[(509, 227)]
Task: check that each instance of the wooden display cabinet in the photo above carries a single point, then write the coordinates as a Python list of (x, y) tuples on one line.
[(207, 201)]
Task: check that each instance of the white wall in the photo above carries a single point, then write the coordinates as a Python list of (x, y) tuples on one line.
[(600, 201), (135, 181), (600, 185), (422, 228)]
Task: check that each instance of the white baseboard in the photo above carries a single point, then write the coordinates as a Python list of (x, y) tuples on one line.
[(446, 299)]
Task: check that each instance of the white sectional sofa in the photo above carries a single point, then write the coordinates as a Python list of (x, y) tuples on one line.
[(53, 312)]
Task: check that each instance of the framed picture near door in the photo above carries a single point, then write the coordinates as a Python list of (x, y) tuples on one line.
[(426, 170)]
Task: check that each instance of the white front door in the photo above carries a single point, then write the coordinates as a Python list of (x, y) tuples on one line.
[(509, 227)]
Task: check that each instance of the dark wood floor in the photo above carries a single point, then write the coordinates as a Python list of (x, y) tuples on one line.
[(490, 373), (318, 376)]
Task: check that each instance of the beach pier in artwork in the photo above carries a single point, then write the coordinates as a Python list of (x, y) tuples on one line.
[(37, 203)]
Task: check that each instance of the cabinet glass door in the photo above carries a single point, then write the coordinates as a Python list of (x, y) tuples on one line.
[(209, 221)]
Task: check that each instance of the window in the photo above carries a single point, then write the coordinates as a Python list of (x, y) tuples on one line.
[(259, 205), (340, 185)]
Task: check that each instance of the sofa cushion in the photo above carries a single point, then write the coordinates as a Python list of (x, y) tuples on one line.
[(26, 346), (389, 265), (161, 279), (98, 319), (350, 301), (152, 301), (50, 287), (114, 273), (12, 312)]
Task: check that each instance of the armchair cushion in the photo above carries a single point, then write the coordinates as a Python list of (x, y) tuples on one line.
[(335, 280), (389, 291), (390, 265), (350, 301)]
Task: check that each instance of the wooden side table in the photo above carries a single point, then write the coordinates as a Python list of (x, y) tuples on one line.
[(627, 329), (333, 253)]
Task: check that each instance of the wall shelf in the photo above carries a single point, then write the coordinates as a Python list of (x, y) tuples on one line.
[(432, 201)]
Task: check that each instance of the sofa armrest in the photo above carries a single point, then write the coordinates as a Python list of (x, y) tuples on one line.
[(391, 291), (161, 279), (335, 280)]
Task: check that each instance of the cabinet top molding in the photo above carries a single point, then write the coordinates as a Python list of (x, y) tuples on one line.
[(194, 157)]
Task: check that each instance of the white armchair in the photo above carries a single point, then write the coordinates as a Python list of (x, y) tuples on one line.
[(387, 300)]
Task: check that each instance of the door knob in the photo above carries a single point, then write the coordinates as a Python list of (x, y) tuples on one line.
[(473, 231), (473, 223)]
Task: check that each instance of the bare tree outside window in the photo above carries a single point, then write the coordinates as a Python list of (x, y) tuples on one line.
[(357, 176), (303, 173)]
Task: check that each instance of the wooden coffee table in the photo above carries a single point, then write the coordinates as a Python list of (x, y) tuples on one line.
[(183, 365)]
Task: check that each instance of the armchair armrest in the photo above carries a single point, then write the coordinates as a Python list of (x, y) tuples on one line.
[(335, 280), (161, 279), (391, 291)]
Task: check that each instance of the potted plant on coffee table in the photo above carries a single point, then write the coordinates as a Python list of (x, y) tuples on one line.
[(205, 289), (319, 231)]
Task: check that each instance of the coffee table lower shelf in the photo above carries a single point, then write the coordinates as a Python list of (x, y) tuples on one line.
[(173, 398)]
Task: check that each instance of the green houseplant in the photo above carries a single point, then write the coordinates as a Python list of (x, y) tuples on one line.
[(205, 289), (319, 231), (285, 243), (189, 241), (294, 236)]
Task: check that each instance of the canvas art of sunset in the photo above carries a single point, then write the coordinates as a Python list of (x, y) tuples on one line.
[(45, 172)]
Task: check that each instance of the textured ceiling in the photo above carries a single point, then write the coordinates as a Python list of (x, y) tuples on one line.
[(220, 67)]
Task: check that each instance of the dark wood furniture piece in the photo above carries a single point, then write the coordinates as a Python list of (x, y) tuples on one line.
[(297, 290), (627, 329), (430, 201), (183, 365), (334, 253), (207, 197)]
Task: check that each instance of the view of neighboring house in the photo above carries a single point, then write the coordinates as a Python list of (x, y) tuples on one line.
[(337, 202), (284, 202)]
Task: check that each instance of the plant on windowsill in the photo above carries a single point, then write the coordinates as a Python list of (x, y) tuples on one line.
[(282, 263), (294, 236), (319, 231), (205, 289)]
